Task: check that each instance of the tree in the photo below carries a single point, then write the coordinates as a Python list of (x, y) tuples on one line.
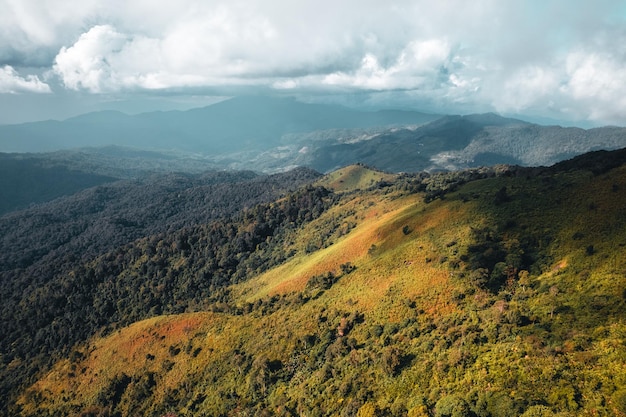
[(452, 406)]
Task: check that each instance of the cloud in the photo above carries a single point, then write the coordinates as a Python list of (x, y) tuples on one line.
[(11, 82), (418, 64), (87, 64), (32, 31), (527, 87), (559, 57), (596, 85)]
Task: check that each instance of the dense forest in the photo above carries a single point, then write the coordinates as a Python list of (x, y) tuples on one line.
[(41, 246), (485, 292), (26, 180)]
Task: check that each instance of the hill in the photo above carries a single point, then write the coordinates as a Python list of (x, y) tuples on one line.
[(354, 178), (485, 292)]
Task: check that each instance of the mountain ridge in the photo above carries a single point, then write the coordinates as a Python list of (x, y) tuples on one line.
[(276, 134), (234, 124)]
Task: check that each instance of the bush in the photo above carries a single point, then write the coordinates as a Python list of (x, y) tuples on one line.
[(619, 400), (538, 411), (452, 406)]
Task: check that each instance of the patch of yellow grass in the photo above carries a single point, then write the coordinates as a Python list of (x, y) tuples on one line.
[(134, 350), (354, 177)]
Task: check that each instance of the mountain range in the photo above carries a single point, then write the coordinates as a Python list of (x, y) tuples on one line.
[(238, 124), (276, 134)]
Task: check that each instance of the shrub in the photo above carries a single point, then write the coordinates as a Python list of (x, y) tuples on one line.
[(452, 406), (538, 411)]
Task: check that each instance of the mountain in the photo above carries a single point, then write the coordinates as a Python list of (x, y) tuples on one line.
[(449, 143), (241, 123), (482, 292), (277, 134)]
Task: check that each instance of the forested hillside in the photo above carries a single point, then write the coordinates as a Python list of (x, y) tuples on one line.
[(25, 180), (41, 245), (487, 292)]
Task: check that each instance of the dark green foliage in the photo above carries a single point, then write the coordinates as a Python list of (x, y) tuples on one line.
[(27, 180), (452, 406), (495, 404), (502, 196), (323, 281), (113, 288), (598, 162), (112, 395)]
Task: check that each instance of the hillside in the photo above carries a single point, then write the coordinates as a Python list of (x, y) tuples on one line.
[(43, 245), (487, 292), (354, 178), (25, 180)]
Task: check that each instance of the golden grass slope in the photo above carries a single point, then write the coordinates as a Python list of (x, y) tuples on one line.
[(354, 177)]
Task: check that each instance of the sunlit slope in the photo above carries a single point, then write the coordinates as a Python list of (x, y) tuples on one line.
[(504, 298), (354, 177)]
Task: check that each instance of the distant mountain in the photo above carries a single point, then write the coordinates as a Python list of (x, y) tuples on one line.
[(242, 123), (449, 143), (277, 134)]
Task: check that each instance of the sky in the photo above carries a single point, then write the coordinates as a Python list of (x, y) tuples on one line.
[(562, 60)]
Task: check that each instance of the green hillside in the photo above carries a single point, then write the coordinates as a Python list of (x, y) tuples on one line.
[(492, 292), (353, 178)]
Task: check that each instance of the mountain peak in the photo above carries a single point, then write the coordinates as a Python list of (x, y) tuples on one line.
[(493, 119), (102, 116)]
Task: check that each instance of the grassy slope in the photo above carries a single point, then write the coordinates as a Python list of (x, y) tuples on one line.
[(419, 335), (354, 177)]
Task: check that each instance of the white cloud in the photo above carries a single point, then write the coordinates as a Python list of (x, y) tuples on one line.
[(565, 56), (416, 66), (32, 31), (11, 82), (597, 85), (87, 64), (527, 87)]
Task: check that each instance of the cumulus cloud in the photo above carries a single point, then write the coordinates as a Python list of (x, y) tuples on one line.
[(32, 31), (527, 87), (11, 82), (596, 85), (87, 64), (418, 64), (562, 57)]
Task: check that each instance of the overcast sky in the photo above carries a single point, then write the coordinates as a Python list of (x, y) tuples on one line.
[(559, 59)]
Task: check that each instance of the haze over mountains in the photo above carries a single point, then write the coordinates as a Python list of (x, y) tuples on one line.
[(238, 124), (275, 134)]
